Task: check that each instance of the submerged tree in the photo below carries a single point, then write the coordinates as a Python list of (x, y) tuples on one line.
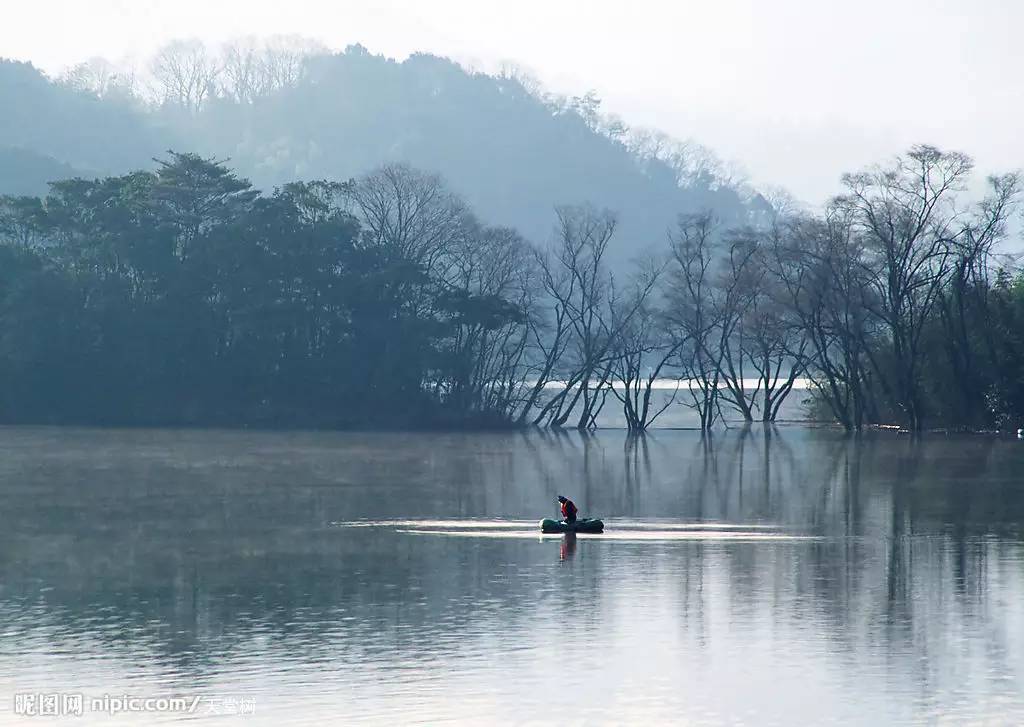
[(693, 315), (821, 280), (592, 312), (914, 232), (646, 350)]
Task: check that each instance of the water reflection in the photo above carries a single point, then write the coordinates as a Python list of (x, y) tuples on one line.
[(387, 577), (567, 548)]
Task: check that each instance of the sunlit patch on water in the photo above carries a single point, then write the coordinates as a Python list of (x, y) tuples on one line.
[(439, 524), (619, 535), (631, 530), (675, 525), (513, 524)]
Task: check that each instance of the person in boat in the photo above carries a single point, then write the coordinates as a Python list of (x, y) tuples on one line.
[(569, 510)]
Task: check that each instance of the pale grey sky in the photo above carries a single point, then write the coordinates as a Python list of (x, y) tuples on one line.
[(797, 91)]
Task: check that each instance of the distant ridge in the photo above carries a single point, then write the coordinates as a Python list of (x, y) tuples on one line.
[(513, 153)]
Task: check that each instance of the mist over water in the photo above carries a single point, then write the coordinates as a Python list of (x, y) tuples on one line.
[(789, 577), (418, 270)]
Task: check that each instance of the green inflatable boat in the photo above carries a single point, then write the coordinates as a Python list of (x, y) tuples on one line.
[(584, 525)]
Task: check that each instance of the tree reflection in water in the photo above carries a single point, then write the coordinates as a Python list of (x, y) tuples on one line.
[(189, 560)]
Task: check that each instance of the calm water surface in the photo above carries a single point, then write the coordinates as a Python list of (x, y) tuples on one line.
[(790, 578)]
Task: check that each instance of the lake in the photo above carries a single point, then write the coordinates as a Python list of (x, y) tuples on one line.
[(785, 577)]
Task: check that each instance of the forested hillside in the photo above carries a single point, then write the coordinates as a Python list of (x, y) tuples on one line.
[(513, 152), (24, 172), (53, 122)]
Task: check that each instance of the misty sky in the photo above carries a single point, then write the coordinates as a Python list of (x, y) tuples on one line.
[(796, 91)]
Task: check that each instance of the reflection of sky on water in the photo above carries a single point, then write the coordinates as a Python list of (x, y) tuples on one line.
[(800, 578)]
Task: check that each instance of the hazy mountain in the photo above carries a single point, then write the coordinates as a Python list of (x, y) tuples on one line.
[(24, 172), (512, 153), (94, 135)]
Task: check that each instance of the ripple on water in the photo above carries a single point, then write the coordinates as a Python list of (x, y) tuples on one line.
[(615, 530)]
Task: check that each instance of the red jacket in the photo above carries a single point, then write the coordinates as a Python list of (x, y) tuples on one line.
[(568, 507)]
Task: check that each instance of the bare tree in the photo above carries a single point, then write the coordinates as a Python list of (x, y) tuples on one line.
[(817, 267), (488, 294), (646, 349), (774, 342), (782, 202), (101, 78), (581, 287), (523, 76), (690, 162), (735, 293), (549, 332), (909, 221), (254, 67), (591, 311), (692, 313), (285, 59), (185, 73), (412, 214), (969, 288), (730, 321), (242, 78)]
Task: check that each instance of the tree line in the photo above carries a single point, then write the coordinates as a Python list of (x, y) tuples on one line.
[(183, 295)]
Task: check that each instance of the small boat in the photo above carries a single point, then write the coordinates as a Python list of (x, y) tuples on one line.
[(584, 525)]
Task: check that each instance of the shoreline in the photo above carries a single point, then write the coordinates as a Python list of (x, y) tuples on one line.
[(511, 428)]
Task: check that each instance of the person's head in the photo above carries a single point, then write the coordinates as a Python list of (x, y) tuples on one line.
[(561, 498)]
